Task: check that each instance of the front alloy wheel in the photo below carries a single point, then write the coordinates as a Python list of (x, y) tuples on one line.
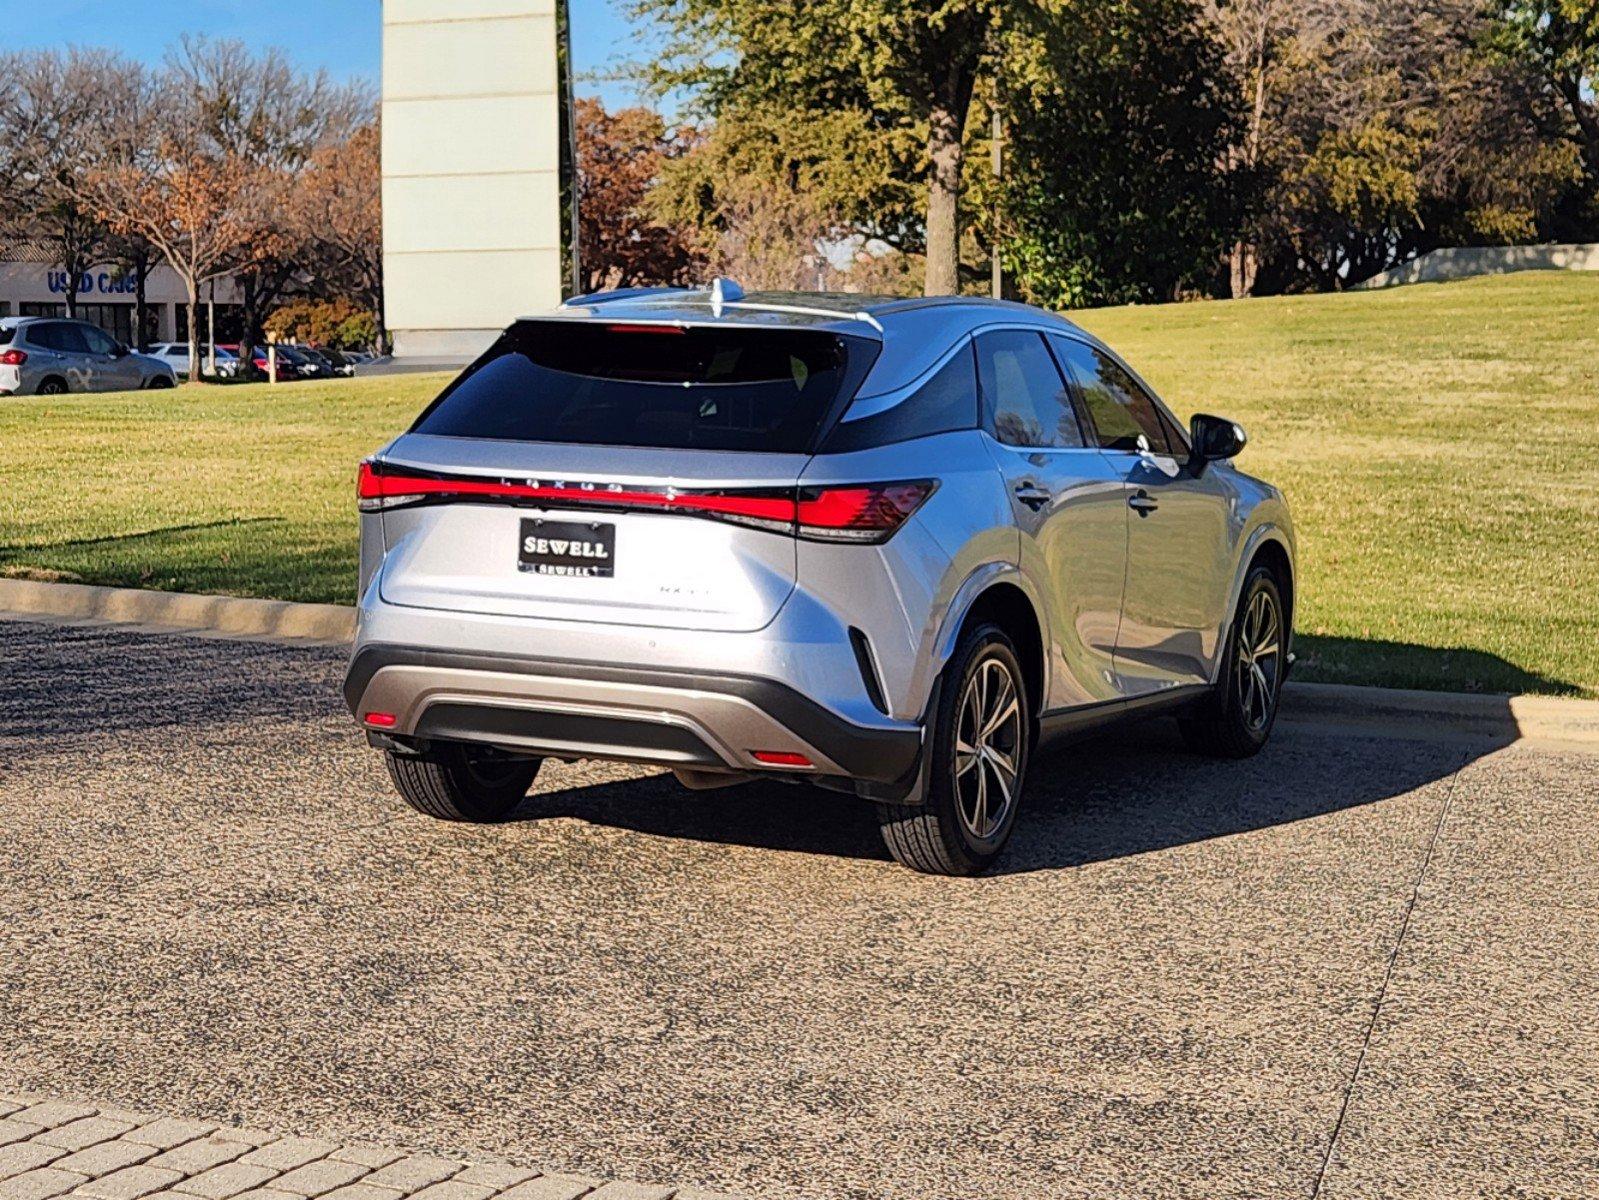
[(1259, 661), (982, 728), (1236, 720)]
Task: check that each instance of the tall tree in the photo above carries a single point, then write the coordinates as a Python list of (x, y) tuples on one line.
[(620, 157), (1256, 37), (902, 72), (1118, 189)]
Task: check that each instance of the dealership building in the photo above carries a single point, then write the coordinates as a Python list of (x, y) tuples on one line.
[(32, 284)]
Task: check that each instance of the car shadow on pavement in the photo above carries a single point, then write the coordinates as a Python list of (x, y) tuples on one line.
[(1131, 792)]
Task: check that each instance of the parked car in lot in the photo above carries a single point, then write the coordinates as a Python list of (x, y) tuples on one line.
[(176, 356), (52, 355), (258, 360), (887, 546), (342, 362), (303, 362)]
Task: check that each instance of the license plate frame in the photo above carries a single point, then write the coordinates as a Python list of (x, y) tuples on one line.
[(567, 549)]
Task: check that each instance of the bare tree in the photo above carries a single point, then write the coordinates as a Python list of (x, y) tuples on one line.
[(62, 108), (262, 111), (167, 179)]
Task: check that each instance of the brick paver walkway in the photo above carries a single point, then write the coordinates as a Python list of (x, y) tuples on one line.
[(52, 1149)]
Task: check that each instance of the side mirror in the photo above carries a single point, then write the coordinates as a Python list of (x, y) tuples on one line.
[(1215, 438), (120, 351)]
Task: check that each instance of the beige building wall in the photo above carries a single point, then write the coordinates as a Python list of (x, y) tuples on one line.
[(471, 157), (1463, 262)]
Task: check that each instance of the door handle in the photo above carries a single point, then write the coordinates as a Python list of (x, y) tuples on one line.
[(1035, 497), (1142, 503)]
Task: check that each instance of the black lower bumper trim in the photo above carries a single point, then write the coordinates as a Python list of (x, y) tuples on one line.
[(881, 755)]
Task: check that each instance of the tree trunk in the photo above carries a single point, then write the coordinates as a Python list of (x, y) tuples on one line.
[(944, 154), (196, 375), (141, 338), (1244, 261), (945, 159)]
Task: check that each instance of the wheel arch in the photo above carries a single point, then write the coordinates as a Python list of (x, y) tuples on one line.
[(1270, 543), (1004, 598)]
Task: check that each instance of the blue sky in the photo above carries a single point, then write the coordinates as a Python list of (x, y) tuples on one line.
[(341, 35)]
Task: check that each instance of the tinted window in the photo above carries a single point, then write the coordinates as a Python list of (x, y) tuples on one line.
[(1120, 410), (1024, 393), (730, 388), (5, 337), (59, 336), (99, 341), (946, 402)]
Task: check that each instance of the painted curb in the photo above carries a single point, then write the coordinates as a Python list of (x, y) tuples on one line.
[(1456, 714), (182, 610)]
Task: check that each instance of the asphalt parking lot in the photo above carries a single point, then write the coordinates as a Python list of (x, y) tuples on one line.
[(1352, 967)]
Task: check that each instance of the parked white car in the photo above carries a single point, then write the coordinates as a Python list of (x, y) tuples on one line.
[(176, 356)]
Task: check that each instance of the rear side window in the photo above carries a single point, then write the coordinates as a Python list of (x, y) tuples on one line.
[(59, 336), (1024, 391), (945, 403), (1120, 410), (717, 388)]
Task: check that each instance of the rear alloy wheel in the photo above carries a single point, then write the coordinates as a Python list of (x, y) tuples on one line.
[(461, 784), (53, 387), (1238, 718), (981, 738), (159, 381)]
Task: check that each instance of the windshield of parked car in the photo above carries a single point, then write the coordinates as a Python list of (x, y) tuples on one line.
[(705, 388)]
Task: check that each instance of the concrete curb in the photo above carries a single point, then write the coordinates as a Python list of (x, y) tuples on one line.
[(221, 614), (1361, 709), (1459, 714)]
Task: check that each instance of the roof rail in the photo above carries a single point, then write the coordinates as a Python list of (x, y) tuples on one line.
[(808, 310)]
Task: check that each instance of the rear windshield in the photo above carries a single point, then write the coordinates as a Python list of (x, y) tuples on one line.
[(5, 337), (724, 388)]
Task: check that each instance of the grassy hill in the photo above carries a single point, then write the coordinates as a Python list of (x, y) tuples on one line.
[(1439, 444)]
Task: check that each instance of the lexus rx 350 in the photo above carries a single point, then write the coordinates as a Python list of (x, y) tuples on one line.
[(886, 546)]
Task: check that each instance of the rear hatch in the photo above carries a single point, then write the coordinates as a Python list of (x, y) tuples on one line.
[(624, 473)]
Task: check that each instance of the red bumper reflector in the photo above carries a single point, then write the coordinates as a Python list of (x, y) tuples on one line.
[(780, 758), (381, 720)]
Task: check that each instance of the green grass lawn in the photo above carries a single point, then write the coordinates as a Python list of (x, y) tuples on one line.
[(1439, 445)]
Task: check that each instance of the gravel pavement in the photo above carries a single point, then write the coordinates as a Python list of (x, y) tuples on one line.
[(1351, 967)]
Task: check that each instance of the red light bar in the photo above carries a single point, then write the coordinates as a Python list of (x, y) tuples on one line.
[(644, 329), (780, 758), (381, 720), (851, 513)]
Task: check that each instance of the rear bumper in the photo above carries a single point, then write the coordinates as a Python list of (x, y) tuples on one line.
[(670, 716)]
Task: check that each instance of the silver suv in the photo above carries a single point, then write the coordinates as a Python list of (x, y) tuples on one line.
[(48, 356), (887, 546)]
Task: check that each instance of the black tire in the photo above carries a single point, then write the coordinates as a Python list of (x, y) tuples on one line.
[(457, 784), (53, 386), (158, 382), (939, 836), (1229, 724)]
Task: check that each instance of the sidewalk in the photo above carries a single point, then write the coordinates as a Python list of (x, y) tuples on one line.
[(53, 1148)]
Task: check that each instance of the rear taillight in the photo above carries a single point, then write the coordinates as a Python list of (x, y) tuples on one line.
[(13, 358), (846, 513)]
